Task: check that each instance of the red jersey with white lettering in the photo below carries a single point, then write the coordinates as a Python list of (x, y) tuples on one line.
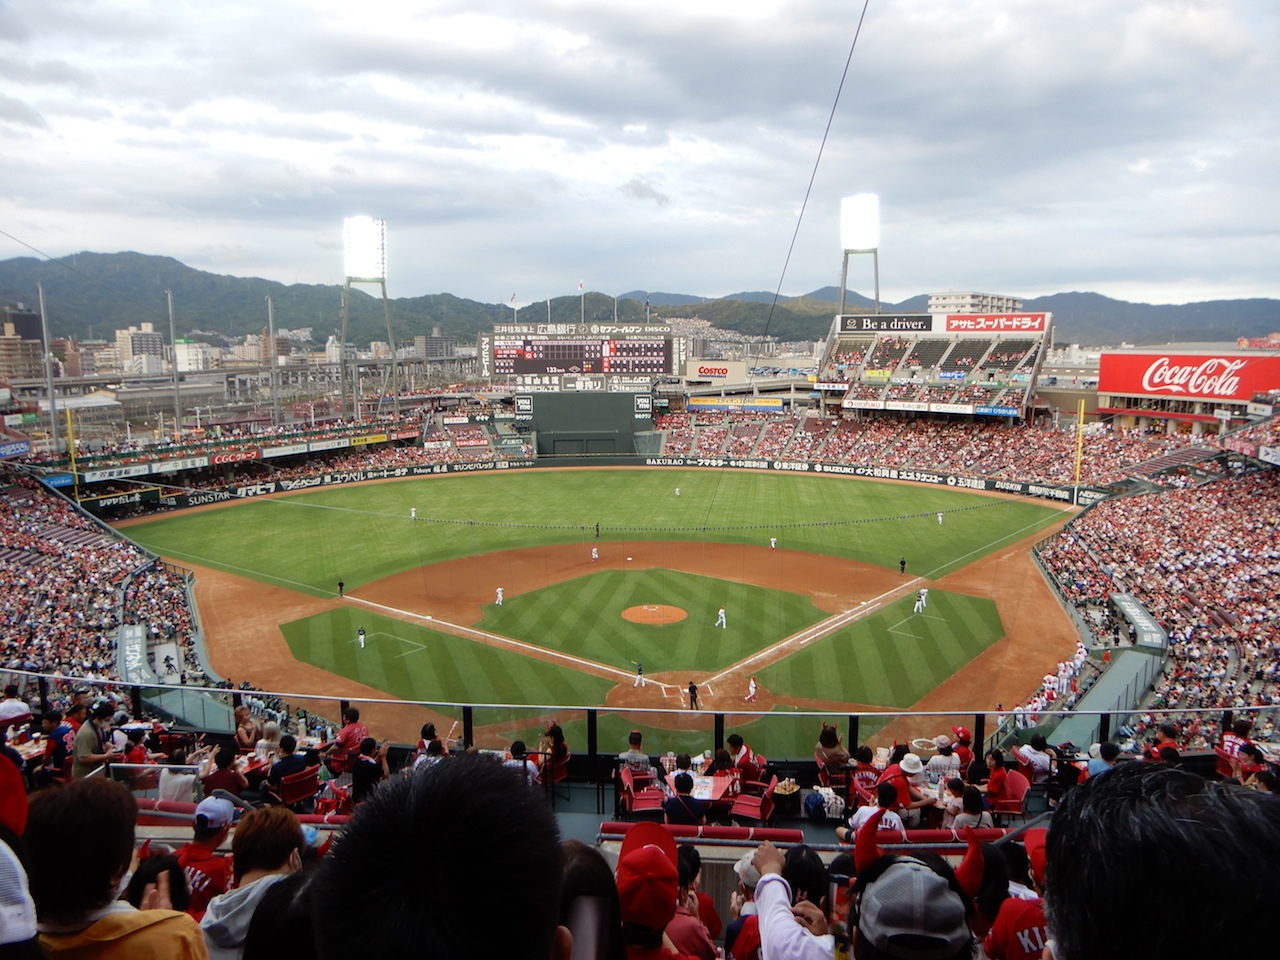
[(1019, 931)]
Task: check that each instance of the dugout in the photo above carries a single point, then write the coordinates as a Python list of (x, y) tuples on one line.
[(576, 424)]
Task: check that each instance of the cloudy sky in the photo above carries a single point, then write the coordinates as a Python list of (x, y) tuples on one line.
[(1024, 147)]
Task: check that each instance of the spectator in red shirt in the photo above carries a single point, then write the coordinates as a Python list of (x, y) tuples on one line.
[(208, 872), (995, 788), (221, 774), (341, 753)]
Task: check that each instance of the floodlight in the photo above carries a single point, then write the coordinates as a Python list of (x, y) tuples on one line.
[(860, 222), (364, 244)]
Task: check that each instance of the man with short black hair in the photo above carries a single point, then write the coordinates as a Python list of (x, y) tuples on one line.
[(14, 711), (1119, 843), (208, 872), (414, 872), (92, 745)]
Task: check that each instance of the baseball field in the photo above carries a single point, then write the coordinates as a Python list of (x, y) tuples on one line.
[(823, 616)]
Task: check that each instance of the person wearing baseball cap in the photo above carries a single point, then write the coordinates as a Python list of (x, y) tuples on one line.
[(648, 881), (963, 746), (911, 908), (208, 872)]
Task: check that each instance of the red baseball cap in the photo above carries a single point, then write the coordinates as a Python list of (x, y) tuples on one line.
[(962, 733), (648, 881)]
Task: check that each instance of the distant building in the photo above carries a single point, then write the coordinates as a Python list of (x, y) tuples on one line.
[(138, 342), (973, 303), (20, 358), (191, 356), (26, 323), (435, 347)]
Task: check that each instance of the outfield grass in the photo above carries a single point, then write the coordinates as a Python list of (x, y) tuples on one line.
[(416, 663), (361, 534)]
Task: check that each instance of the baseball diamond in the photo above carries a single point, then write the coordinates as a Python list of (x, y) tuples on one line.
[(819, 622)]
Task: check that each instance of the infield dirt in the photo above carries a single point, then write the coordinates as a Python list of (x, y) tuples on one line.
[(240, 618)]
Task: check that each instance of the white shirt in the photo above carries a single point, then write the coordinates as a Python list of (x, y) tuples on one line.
[(781, 937), (890, 820)]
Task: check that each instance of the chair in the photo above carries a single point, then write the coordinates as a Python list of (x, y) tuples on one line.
[(299, 787), (1015, 804), (837, 780), (644, 803), (555, 771), (1227, 766), (755, 802)]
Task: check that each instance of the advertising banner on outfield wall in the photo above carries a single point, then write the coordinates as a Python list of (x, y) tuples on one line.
[(1083, 496)]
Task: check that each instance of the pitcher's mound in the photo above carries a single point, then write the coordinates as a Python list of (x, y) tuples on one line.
[(654, 613)]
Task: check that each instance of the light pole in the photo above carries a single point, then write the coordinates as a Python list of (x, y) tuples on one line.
[(364, 244), (859, 233)]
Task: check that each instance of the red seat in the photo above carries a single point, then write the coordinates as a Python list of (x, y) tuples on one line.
[(755, 802), (837, 780), (644, 802), (1228, 766), (1015, 803), (300, 786)]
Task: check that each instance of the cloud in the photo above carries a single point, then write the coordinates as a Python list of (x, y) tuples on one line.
[(1018, 147)]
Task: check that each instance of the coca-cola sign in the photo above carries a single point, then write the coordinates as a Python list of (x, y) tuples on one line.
[(1188, 376)]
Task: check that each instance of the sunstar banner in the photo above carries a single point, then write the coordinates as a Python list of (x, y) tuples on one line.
[(1216, 377)]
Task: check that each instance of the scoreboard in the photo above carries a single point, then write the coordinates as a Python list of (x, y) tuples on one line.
[(513, 356)]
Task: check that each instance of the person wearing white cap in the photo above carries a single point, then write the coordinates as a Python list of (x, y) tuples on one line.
[(906, 776), (742, 908), (208, 872)]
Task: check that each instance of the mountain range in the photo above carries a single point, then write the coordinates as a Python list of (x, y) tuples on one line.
[(90, 295)]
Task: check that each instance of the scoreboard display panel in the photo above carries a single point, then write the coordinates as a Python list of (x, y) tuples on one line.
[(513, 356)]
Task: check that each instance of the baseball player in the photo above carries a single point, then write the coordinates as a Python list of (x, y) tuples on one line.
[(413, 513), (720, 620), (639, 674), (924, 597), (773, 543), (919, 607), (498, 601), (677, 491), (939, 519), (360, 637), (595, 553), (751, 690)]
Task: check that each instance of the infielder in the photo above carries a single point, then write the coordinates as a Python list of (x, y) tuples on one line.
[(919, 607), (751, 690), (720, 620), (413, 513), (595, 553), (924, 597), (498, 601), (677, 491)]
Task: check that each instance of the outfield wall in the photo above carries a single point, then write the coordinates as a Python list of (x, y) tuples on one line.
[(1079, 495)]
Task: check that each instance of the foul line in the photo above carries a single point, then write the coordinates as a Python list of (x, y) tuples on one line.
[(493, 640), (815, 632)]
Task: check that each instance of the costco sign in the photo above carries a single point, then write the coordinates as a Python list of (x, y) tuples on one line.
[(1188, 376)]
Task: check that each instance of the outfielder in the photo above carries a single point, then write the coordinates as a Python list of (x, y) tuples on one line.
[(720, 620)]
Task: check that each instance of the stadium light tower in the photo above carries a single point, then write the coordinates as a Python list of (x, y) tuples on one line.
[(860, 233), (364, 247)]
